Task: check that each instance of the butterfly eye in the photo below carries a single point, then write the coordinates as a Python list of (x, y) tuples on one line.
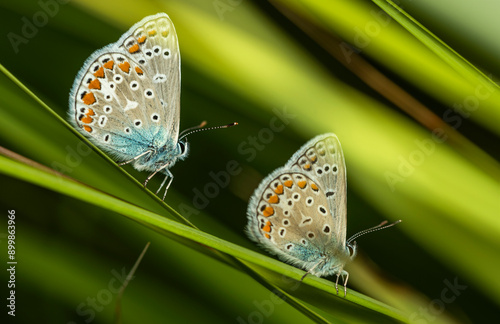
[(351, 248), (182, 147)]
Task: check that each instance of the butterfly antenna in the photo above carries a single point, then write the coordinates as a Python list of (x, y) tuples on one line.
[(200, 128), (201, 125), (379, 227)]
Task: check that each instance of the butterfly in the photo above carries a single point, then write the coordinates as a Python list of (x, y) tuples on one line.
[(298, 212), (126, 99)]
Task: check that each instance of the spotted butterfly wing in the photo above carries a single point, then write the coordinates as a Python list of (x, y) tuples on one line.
[(126, 96), (153, 44), (290, 213), (322, 159)]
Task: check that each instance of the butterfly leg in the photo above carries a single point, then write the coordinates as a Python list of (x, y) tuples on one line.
[(154, 173), (345, 276), (311, 271), (337, 284), (135, 158), (169, 175)]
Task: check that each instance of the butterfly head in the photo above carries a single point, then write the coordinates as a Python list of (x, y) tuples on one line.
[(173, 152)]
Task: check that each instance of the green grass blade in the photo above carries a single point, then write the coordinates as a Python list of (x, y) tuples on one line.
[(360, 305)]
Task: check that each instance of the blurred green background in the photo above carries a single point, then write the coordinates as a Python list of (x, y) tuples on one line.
[(410, 93)]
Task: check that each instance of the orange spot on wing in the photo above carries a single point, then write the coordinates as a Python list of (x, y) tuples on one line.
[(125, 66), (152, 32), (141, 39), (307, 167), (99, 73), (89, 98), (314, 187), (269, 211), (302, 184), (267, 236), (314, 158), (109, 64), (86, 120), (288, 183), (267, 228), (95, 84), (274, 200), (87, 128), (139, 71), (133, 49), (279, 189)]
